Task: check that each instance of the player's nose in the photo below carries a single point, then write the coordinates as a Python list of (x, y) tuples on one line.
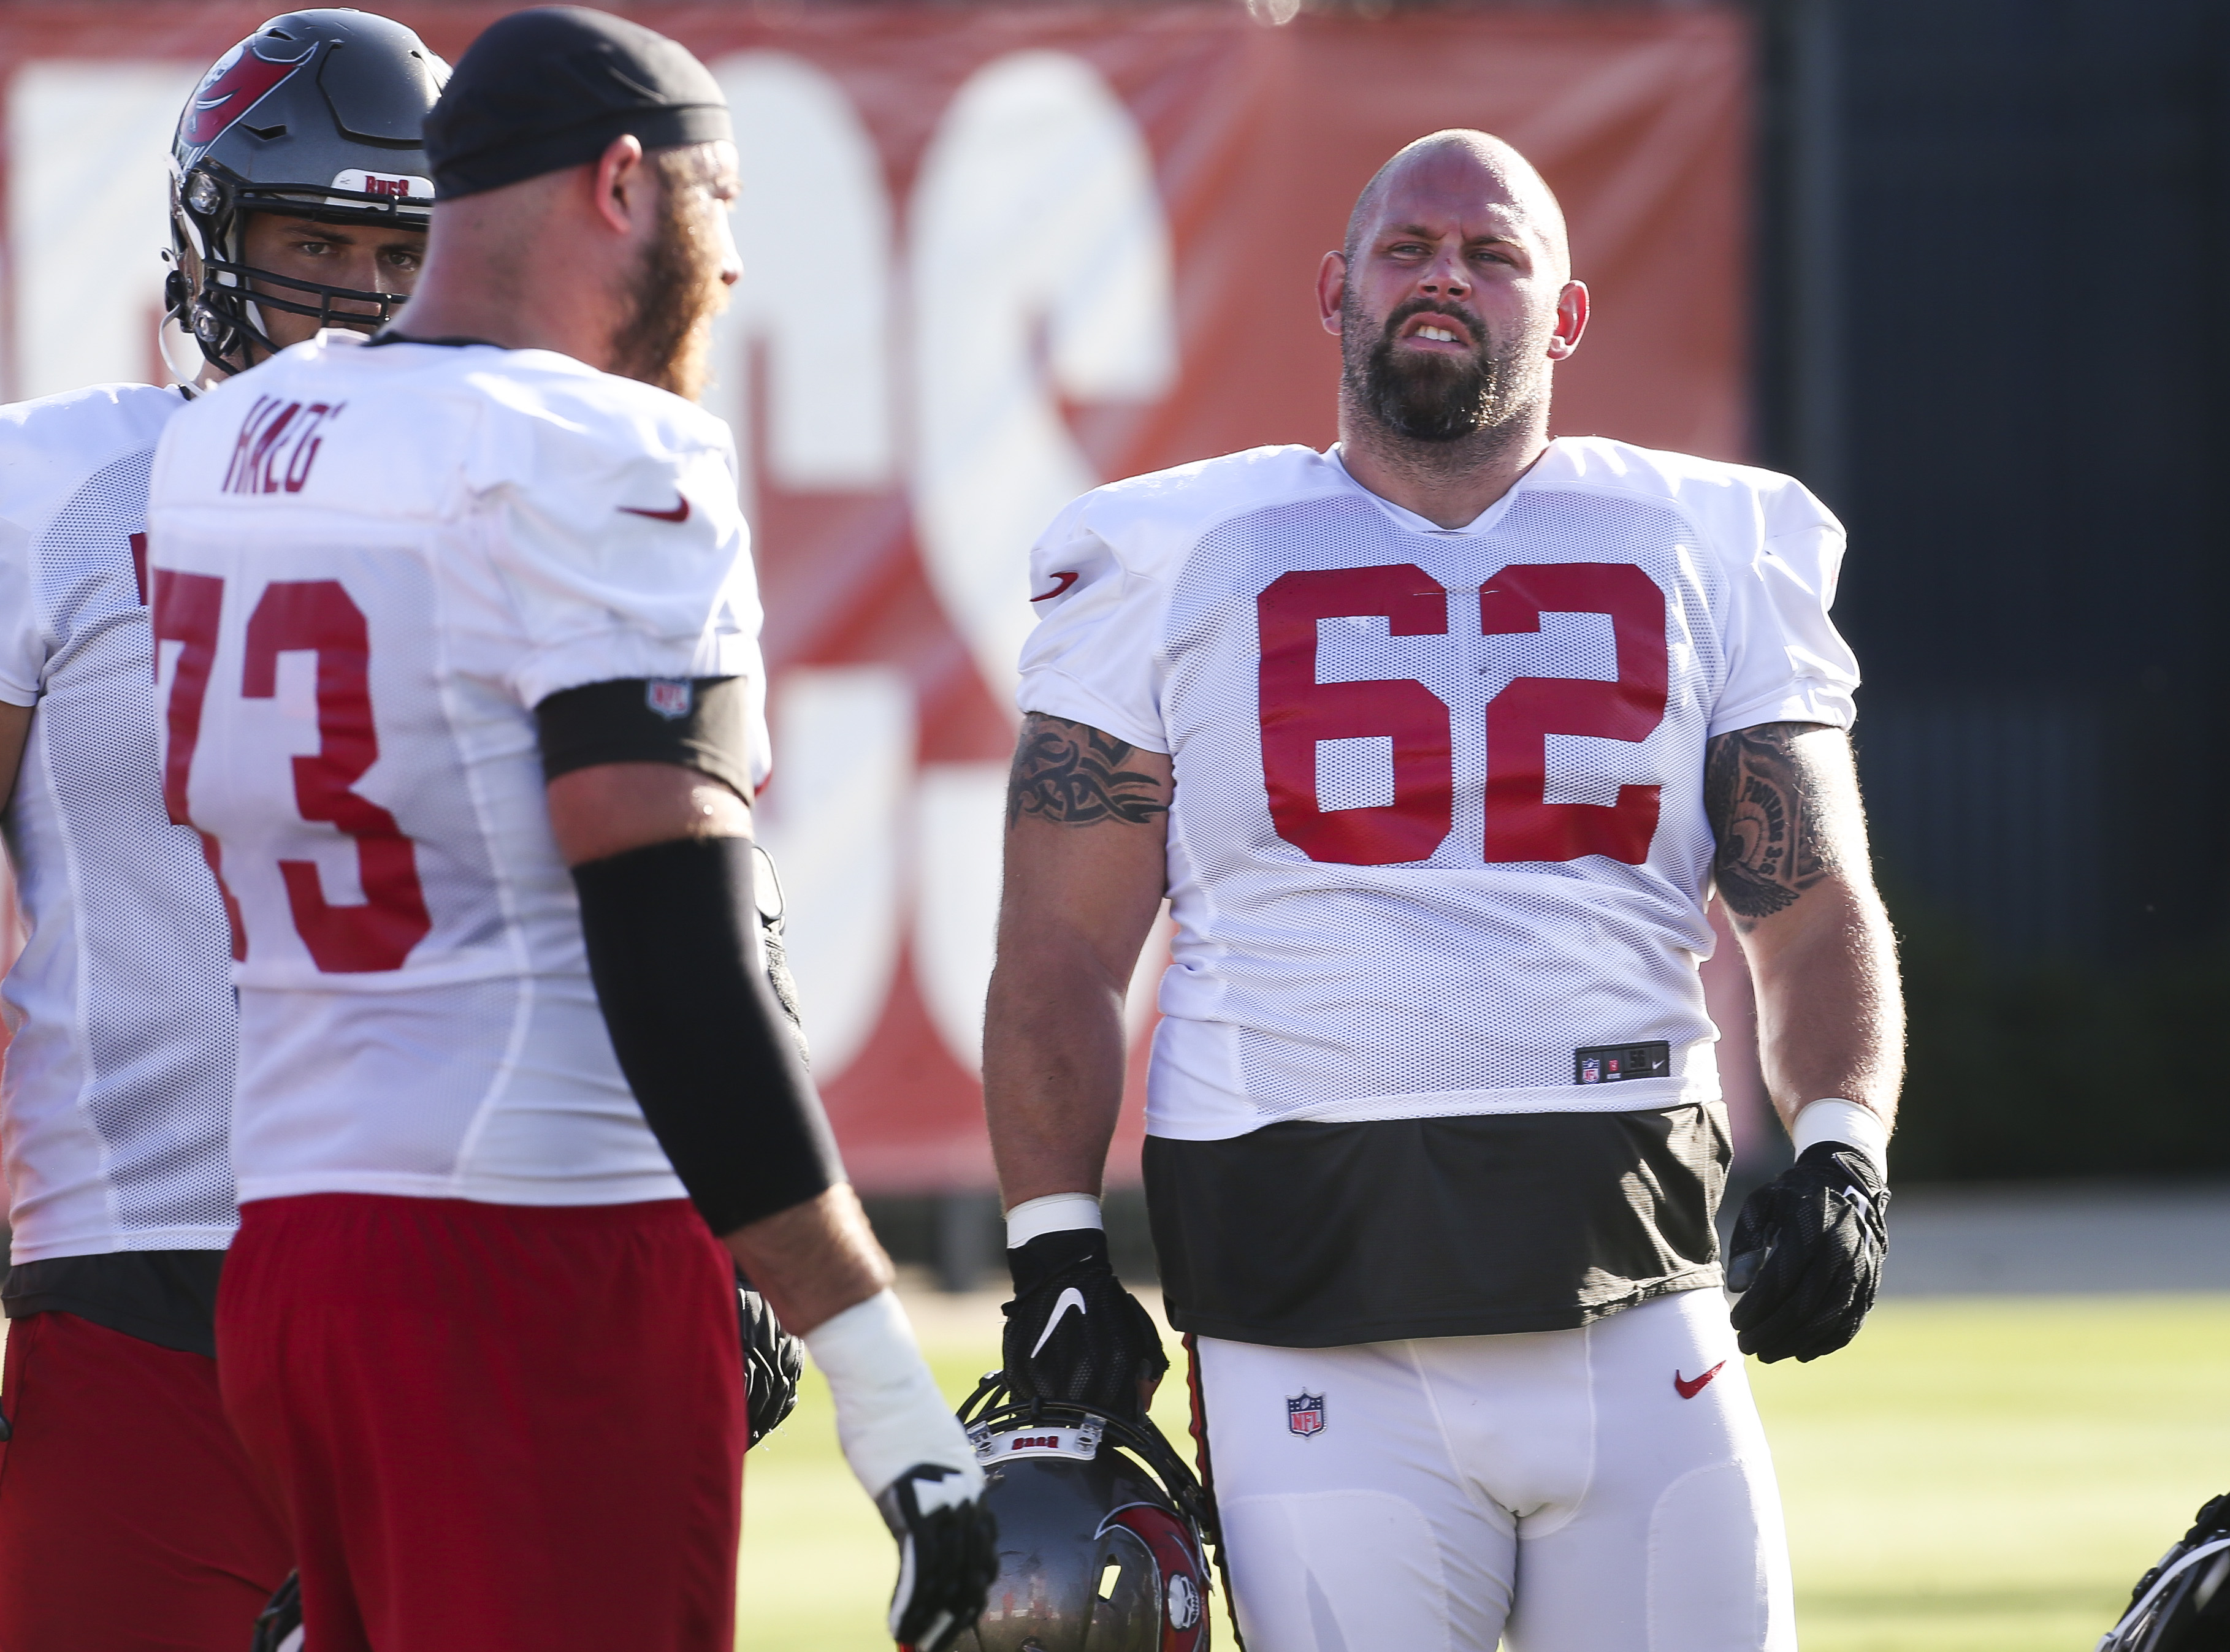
[(1445, 278)]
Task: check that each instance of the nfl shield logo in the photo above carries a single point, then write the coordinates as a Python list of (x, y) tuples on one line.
[(1590, 1069), (1305, 1414), (668, 698)]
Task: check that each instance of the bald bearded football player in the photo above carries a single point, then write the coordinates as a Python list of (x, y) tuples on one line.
[(1436, 743)]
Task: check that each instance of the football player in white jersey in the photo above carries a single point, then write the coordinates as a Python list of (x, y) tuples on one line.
[(129, 1516), (1437, 742), (463, 684)]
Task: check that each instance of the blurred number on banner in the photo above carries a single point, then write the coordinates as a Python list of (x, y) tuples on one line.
[(812, 224), (1039, 270), (89, 206), (1041, 263), (1038, 275), (844, 740)]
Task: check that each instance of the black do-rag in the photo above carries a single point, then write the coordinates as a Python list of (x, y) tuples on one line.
[(552, 87)]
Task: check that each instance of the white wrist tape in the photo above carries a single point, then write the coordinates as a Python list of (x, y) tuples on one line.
[(1054, 1214), (1833, 1119), (889, 1413)]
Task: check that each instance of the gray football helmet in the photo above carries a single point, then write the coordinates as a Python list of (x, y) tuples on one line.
[(2183, 1603), (1103, 1531), (316, 115)]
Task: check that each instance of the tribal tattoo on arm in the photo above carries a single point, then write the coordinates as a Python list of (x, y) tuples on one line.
[(1767, 809), (1071, 773)]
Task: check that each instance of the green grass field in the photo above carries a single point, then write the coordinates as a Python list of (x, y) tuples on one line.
[(1978, 1475)]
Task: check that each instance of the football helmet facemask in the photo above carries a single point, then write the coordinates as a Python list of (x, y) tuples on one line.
[(1103, 1531), (315, 115)]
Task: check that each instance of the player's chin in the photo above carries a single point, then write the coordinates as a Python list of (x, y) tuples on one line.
[(1432, 398)]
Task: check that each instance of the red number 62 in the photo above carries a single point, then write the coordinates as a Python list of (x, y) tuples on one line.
[(1297, 711)]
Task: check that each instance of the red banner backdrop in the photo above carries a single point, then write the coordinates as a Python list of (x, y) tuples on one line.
[(995, 256)]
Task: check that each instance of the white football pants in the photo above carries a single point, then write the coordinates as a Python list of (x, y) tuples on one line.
[(1576, 1491)]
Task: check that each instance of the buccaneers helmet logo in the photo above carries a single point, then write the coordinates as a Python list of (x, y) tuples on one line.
[(236, 85)]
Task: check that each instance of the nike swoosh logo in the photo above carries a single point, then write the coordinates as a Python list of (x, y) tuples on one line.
[(1067, 580), (1070, 1298), (679, 513), (1689, 1389)]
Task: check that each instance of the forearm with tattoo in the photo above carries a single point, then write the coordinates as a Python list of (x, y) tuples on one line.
[(1766, 809), (1071, 773)]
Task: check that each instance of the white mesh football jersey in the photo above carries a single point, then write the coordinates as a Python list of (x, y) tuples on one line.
[(1439, 821), (369, 564), (117, 1093)]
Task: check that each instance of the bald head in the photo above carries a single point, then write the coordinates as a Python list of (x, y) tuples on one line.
[(1464, 163)]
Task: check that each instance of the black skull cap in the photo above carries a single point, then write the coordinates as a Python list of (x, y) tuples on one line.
[(552, 87)]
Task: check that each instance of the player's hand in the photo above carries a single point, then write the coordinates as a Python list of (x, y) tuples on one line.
[(774, 1364), (1808, 1255), (1073, 1332), (948, 1553)]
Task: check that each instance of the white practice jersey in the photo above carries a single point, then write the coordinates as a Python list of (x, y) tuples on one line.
[(1438, 846), (117, 1093), (371, 562)]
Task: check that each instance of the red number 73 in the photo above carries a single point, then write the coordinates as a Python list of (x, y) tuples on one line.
[(316, 617), (1297, 711)]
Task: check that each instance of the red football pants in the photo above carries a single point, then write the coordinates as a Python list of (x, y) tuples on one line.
[(496, 1428), (130, 1518)]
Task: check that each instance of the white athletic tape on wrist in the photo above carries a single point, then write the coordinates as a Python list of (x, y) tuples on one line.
[(1833, 1119), (1054, 1214), (889, 1413)]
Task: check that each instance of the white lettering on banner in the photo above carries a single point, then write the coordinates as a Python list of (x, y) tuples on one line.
[(963, 815), (962, 811), (1039, 271), (1036, 208), (844, 752), (812, 224), (89, 147)]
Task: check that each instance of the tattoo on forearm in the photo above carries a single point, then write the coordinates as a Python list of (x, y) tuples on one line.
[(1764, 810), (1073, 774)]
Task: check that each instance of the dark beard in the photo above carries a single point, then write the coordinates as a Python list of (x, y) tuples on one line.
[(675, 293), (1429, 397)]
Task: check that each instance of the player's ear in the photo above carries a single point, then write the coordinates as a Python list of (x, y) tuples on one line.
[(1331, 290), (622, 178), (1571, 320)]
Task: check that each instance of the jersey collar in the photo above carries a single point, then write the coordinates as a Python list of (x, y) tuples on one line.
[(1554, 463)]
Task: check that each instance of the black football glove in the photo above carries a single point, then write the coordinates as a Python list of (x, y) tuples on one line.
[(774, 1364), (1808, 1255), (1073, 1332), (948, 1555)]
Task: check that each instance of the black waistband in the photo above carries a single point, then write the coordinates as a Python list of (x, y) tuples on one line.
[(1305, 1235), (166, 1297)]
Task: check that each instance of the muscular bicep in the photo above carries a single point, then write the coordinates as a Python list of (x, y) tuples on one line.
[(1087, 830), (1782, 800), (608, 809), (15, 729)]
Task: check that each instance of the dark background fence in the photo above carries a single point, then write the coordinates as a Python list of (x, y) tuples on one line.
[(1992, 334)]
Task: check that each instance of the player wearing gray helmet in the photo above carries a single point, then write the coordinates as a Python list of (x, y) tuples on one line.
[(129, 1518)]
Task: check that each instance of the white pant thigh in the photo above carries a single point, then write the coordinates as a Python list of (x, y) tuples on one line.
[(1677, 1545), (1358, 1535)]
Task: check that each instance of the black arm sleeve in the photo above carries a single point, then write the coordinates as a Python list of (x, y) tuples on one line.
[(699, 1033), (702, 722)]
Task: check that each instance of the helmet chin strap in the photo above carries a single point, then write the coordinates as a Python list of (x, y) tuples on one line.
[(181, 353)]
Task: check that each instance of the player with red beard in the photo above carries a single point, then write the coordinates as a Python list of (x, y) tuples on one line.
[(469, 703)]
